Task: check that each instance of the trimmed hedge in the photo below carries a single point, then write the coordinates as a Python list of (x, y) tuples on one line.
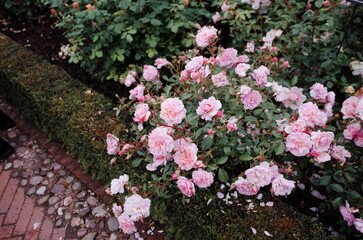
[(67, 111)]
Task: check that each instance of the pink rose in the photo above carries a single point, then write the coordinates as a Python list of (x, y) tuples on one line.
[(117, 184), (261, 175), (126, 224), (347, 215), (117, 210), (349, 107), (228, 58), (137, 93), (130, 78), (260, 75), (251, 100), (358, 224), (312, 115), (172, 111), (195, 64), (157, 161), (321, 140), (161, 62), (220, 79), (241, 69), (231, 126), (352, 130), (242, 59), (318, 91), (150, 73), (186, 156), (245, 187), (142, 113), (250, 47), (205, 36), (330, 97), (112, 144), (320, 157), (282, 186), (296, 126), (216, 17), (186, 186), (340, 153), (160, 143), (295, 98), (225, 6), (359, 110), (202, 178), (244, 90), (358, 139), (208, 108), (299, 144)]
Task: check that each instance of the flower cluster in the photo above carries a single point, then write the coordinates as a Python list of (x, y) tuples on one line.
[(348, 216)]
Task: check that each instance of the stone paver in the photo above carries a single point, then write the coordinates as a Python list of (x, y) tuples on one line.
[(45, 195)]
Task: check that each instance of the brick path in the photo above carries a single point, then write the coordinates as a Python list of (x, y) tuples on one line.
[(38, 179)]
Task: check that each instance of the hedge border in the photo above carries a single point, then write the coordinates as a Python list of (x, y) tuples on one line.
[(67, 111)]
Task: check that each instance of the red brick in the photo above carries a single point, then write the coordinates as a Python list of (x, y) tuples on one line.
[(15, 238), (54, 148), (8, 194), (94, 184), (67, 160), (60, 155), (15, 207), (24, 217), (58, 233), (72, 166), (35, 223), (79, 173), (2, 217), (46, 230), (4, 179), (6, 231), (100, 191), (107, 199)]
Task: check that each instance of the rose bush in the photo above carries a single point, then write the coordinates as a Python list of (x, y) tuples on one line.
[(215, 115)]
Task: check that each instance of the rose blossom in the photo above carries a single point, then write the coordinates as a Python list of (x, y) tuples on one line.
[(318, 91), (262, 174), (225, 6), (260, 75), (202, 178), (282, 186), (347, 214), (251, 100), (352, 130), (112, 144), (358, 139), (160, 143), (161, 62), (117, 185), (295, 98), (216, 17), (349, 107), (231, 125), (208, 108), (358, 224), (340, 153), (117, 210), (228, 58), (172, 111), (245, 187), (130, 78), (312, 115), (186, 186), (195, 64), (137, 207), (299, 144), (150, 73), (205, 36), (186, 156), (320, 157), (220, 79), (244, 90), (321, 140), (359, 110), (157, 161), (126, 224), (137, 93), (296, 126), (250, 47), (142, 113), (241, 69), (90, 7)]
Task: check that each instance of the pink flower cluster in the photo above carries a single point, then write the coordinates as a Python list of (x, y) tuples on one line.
[(142, 114), (205, 36), (220, 79), (113, 146), (260, 75), (347, 214), (354, 132), (250, 98), (118, 184), (200, 177), (137, 93), (292, 98), (353, 109), (261, 176)]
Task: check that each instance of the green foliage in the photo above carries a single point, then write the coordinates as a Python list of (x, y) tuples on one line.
[(27, 8)]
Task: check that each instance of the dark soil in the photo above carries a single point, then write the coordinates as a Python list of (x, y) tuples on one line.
[(41, 36)]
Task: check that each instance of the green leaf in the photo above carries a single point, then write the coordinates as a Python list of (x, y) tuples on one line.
[(353, 194), (336, 187), (227, 151), (129, 38), (222, 160), (337, 202), (222, 175), (245, 157), (319, 3), (212, 167), (279, 148), (325, 180), (207, 143), (174, 28), (99, 54), (349, 177), (136, 162), (155, 22)]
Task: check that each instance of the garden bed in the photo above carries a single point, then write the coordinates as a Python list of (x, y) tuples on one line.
[(79, 117)]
